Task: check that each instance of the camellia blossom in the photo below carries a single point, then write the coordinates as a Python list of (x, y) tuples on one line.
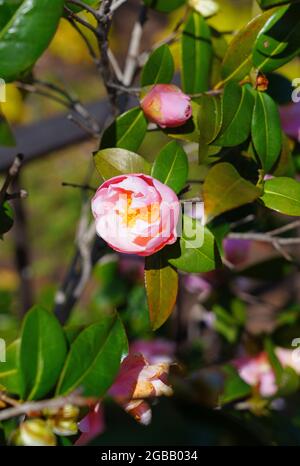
[(167, 106), (258, 372), (136, 214), (139, 380)]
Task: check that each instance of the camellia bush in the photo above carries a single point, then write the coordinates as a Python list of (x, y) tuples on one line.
[(198, 189)]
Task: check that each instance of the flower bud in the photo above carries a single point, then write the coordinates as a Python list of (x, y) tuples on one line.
[(35, 433), (64, 427), (167, 106)]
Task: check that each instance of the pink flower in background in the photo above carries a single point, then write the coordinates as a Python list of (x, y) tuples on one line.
[(136, 214), (258, 372), (236, 250), (167, 106), (155, 351), (290, 120), (139, 379)]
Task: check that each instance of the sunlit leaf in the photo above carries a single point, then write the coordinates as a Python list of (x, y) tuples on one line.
[(266, 130), (196, 53), (42, 352), (224, 189), (198, 251), (32, 30), (235, 128), (94, 358), (127, 131), (238, 60), (114, 162), (171, 166), (161, 282), (159, 67), (279, 40), (282, 194)]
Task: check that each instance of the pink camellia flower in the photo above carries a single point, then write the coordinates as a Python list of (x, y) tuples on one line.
[(167, 106), (258, 372), (136, 214)]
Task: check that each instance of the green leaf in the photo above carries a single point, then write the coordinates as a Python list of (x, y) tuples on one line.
[(164, 6), (171, 166), (9, 374), (94, 358), (114, 162), (238, 59), (77, 8), (159, 67), (161, 282), (266, 130), (6, 136), (224, 189), (42, 353), (196, 54), (30, 29), (127, 131), (190, 130), (209, 123), (279, 40), (198, 249), (235, 129), (6, 218), (283, 195), (234, 387), (266, 4)]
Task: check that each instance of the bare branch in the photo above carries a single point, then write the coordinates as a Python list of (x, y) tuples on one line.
[(134, 48), (12, 173), (36, 406)]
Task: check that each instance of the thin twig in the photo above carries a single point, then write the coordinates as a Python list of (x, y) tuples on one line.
[(85, 187), (117, 4), (80, 20), (12, 173), (264, 237), (36, 406), (131, 62), (84, 6)]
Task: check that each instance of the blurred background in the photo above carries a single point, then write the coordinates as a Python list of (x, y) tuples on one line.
[(238, 298)]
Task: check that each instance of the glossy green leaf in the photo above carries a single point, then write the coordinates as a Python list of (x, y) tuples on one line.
[(171, 166), (127, 131), (9, 374), (159, 67), (31, 27), (161, 282), (235, 129), (114, 162), (266, 130), (279, 40), (238, 59), (224, 189), (266, 4), (164, 6), (6, 218), (77, 8), (283, 195), (196, 54), (42, 353), (94, 358), (209, 122), (198, 249), (6, 136)]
